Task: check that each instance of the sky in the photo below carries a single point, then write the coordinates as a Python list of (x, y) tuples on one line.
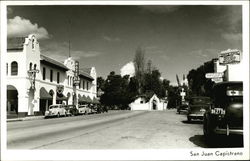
[(176, 38)]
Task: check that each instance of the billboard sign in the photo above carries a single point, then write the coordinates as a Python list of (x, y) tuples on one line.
[(214, 75), (229, 57)]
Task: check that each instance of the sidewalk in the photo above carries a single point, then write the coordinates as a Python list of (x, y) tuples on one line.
[(25, 118)]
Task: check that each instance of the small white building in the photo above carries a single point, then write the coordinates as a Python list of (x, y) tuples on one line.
[(142, 102), (35, 81)]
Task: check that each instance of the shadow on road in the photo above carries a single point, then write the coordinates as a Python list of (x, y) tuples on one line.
[(198, 140), (192, 122), (181, 113), (232, 141)]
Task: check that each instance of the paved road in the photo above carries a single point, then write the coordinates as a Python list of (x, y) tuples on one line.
[(113, 130)]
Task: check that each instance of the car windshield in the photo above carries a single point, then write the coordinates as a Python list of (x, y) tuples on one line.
[(200, 100)]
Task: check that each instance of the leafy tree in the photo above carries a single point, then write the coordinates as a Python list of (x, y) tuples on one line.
[(139, 62), (116, 91), (198, 84), (100, 83)]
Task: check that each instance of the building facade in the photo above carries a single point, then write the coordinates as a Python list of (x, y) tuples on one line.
[(148, 104), (35, 81)]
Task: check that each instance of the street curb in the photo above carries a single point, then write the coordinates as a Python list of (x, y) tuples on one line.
[(39, 117), (25, 119)]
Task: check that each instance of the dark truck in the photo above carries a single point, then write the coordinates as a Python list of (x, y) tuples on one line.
[(225, 115), (197, 107)]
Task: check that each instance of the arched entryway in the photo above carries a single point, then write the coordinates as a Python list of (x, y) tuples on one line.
[(12, 101), (51, 92), (154, 105), (45, 97), (68, 96)]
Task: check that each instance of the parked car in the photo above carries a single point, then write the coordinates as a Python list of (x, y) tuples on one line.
[(84, 109), (93, 109), (56, 110), (71, 110), (197, 107), (183, 107), (102, 109), (226, 113)]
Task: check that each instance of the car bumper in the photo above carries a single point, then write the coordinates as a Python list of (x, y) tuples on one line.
[(228, 131), (196, 115), (50, 115)]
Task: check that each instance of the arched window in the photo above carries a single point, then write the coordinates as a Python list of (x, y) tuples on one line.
[(33, 43), (51, 75), (7, 69), (14, 68), (34, 66), (68, 80), (58, 77), (44, 73), (30, 66)]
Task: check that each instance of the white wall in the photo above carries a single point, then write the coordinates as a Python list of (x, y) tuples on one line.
[(137, 105)]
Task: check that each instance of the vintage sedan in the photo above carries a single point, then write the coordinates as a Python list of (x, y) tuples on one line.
[(56, 110), (197, 107), (226, 113), (71, 110), (183, 107), (84, 109)]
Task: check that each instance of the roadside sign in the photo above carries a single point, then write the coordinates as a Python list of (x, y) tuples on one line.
[(214, 75), (229, 57), (217, 80)]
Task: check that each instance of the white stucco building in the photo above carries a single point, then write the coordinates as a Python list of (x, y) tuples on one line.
[(149, 104), (35, 81)]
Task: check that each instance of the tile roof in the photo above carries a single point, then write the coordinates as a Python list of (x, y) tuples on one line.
[(53, 62), (15, 43), (85, 72)]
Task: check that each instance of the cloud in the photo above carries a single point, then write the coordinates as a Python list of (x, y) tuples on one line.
[(86, 54), (19, 26), (111, 39), (128, 69), (204, 53), (160, 9), (229, 18), (233, 38), (60, 51)]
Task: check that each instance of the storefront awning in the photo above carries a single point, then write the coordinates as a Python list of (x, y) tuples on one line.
[(61, 97), (44, 94), (89, 99), (95, 100), (82, 99)]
